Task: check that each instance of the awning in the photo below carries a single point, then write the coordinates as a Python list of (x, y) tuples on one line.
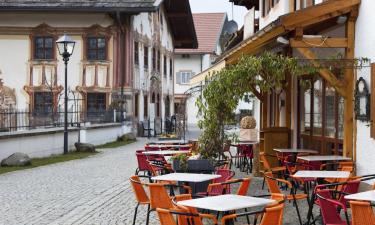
[(197, 79), (280, 27)]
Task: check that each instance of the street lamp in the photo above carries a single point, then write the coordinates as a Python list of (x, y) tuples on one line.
[(65, 45)]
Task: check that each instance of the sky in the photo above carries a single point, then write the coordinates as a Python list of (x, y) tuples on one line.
[(204, 6)]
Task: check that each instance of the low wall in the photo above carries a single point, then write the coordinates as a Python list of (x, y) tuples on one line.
[(45, 142)]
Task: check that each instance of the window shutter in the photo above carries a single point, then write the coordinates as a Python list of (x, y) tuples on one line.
[(178, 77), (372, 103)]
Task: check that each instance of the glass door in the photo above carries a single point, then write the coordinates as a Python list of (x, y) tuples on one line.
[(320, 116)]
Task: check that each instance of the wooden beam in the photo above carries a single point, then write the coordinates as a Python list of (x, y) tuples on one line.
[(325, 73), (349, 89), (314, 14), (319, 42), (176, 15), (256, 93), (254, 45)]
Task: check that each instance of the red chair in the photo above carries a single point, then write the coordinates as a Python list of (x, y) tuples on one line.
[(142, 163), (214, 190), (328, 207)]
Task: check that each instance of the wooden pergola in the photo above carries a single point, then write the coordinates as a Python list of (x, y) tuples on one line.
[(294, 25)]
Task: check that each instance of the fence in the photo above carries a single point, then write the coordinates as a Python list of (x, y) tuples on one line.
[(16, 120)]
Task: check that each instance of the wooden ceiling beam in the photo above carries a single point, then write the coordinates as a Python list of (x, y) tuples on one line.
[(318, 13), (319, 43), (256, 92), (325, 73)]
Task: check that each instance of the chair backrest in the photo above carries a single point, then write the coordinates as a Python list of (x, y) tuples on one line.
[(273, 215), (351, 187), (362, 213), (183, 220), (273, 187), (165, 217), (266, 164), (244, 186), (226, 175), (142, 161), (328, 207), (139, 191), (159, 197)]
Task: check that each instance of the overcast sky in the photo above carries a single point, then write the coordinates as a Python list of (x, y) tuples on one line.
[(201, 6)]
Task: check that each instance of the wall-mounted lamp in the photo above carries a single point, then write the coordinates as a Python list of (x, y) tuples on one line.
[(362, 101)]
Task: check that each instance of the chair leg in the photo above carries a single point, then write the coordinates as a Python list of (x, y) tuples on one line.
[(247, 217), (148, 214), (135, 213), (264, 180), (298, 214)]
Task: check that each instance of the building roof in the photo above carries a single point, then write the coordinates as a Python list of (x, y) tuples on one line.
[(208, 27), (179, 15), (80, 5)]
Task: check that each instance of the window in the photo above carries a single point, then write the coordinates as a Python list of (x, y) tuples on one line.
[(43, 48), (183, 77), (43, 103), (145, 106), (145, 57), (165, 66), (167, 107), (96, 48), (158, 61), (96, 102), (136, 53), (306, 3), (153, 59), (136, 96), (170, 69), (158, 106)]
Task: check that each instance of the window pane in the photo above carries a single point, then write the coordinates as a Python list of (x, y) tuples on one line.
[(101, 54), (306, 111), (330, 129), (341, 118), (48, 43), (91, 54), (318, 107), (39, 53), (101, 43), (92, 43), (48, 53), (39, 42)]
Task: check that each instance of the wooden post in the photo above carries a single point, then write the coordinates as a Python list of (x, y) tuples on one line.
[(349, 81)]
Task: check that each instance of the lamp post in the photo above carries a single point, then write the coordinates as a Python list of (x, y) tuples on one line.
[(65, 45)]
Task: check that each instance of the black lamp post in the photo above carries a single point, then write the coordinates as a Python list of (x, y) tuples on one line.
[(65, 45)]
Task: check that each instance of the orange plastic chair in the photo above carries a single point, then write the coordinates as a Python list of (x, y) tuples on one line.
[(273, 215), (362, 213), (166, 216), (273, 188), (268, 168), (244, 186), (140, 195)]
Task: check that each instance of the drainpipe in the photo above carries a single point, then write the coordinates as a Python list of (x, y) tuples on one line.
[(122, 52)]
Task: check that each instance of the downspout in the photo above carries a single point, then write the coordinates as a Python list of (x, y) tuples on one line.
[(122, 70), (201, 63)]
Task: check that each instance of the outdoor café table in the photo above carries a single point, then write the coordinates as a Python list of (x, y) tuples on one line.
[(168, 146), (294, 151), (166, 152), (318, 174), (312, 158), (168, 142), (362, 196), (186, 177), (226, 203)]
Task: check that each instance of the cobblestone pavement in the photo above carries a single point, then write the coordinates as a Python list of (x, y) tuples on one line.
[(92, 191)]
